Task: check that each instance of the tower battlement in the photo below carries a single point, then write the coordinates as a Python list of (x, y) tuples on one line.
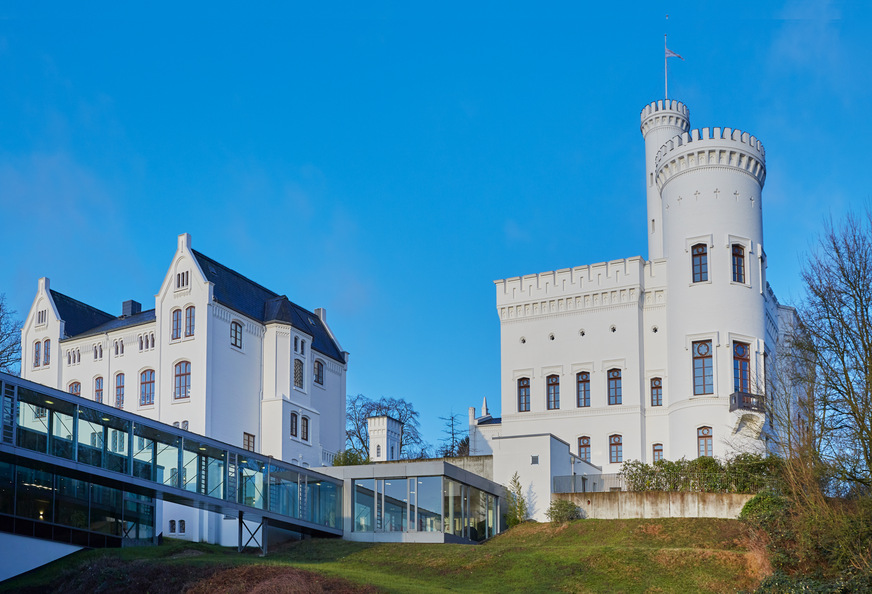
[(710, 147), (668, 113)]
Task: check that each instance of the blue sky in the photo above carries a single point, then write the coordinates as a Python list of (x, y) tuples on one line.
[(388, 161)]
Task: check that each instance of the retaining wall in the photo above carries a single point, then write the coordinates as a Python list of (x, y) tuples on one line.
[(657, 504)]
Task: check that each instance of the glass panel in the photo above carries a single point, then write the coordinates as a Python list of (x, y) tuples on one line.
[(453, 507), (251, 478), (190, 467), (491, 516), (203, 469), (284, 494), (62, 420), (138, 517), (72, 503), (429, 491), (105, 510), (143, 455), (165, 455), (91, 437), (32, 421), (477, 503), (396, 505), (35, 491), (323, 503), (364, 505), (7, 488)]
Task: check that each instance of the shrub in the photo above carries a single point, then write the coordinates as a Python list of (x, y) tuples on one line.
[(350, 458), (516, 503), (562, 510)]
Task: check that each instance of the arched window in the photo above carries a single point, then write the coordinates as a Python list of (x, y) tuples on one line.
[(182, 375), (185, 425), (100, 350), (78, 355), (298, 373), (46, 352), (98, 389), (69, 360), (189, 321), (524, 394), (140, 342), (293, 424), (146, 387), (172, 526), (741, 367), (177, 324), (119, 390), (181, 526), (236, 334), (302, 347), (583, 388), (584, 448), (296, 344), (738, 264), (700, 262), (616, 449), (95, 352), (152, 340), (37, 350), (615, 390), (553, 387), (704, 441), (703, 379), (658, 451), (116, 348), (378, 451), (319, 373), (656, 391), (304, 428), (75, 389), (121, 343)]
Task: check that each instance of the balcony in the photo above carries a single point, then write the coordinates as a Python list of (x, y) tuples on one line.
[(747, 401)]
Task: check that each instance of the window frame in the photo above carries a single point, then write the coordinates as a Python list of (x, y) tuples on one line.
[(299, 376), (656, 452), (46, 352), (190, 315), (249, 442), (176, 324), (294, 423), (741, 367), (304, 428), (704, 442), (582, 389), (615, 387), (656, 384), (699, 262), (37, 353), (182, 379), (584, 448), (737, 258), (236, 334), (523, 394), (318, 372), (98, 389), (146, 387), (75, 388), (616, 449), (702, 364), (119, 390), (552, 390)]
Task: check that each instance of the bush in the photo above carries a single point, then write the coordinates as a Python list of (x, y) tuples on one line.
[(562, 510), (350, 458)]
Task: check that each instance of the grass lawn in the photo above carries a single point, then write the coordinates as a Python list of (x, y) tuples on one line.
[(663, 555)]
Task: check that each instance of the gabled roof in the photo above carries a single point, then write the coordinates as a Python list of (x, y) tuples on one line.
[(245, 296), (78, 317), (122, 322)]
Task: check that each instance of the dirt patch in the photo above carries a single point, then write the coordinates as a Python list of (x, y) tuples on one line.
[(187, 553), (263, 579), (654, 530)]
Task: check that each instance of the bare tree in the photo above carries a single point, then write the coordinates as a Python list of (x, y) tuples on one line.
[(452, 432), (10, 338), (836, 318), (359, 408)]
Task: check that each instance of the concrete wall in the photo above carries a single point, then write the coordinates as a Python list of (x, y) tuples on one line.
[(657, 504)]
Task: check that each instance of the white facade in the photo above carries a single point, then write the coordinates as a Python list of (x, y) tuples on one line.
[(635, 358), (228, 359), (385, 434)]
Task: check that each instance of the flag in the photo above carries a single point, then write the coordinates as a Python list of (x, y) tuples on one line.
[(672, 54)]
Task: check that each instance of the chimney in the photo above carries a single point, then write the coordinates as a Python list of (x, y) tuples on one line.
[(130, 308), (321, 313)]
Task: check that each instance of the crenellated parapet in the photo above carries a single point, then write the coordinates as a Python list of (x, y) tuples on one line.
[(708, 148), (670, 113)]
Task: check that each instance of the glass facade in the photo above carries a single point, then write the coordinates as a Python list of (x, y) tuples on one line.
[(424, 504)]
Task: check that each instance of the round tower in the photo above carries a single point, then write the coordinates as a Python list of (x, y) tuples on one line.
[(660, 122), (710, 183)]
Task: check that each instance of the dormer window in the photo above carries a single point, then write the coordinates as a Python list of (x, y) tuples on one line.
[(182, 280)]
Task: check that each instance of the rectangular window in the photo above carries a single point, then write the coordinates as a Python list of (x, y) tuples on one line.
[(700, 262), (703, 378), (236, 334), (248, 442), (656, 391), (177, 324), (146, 387), (583, 385), (704, 441), (298, 374), (741, 367), (615, 390), (553, 392), (293, 424), (304, 428), (658, 451), (584, 448), (46, 352), (524, 395), (37, 350), (189, 321), (98, 389), (182, 388), (119, 390), (616, 449), (738, 264)]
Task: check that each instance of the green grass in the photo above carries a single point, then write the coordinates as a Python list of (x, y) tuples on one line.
[(664, 555)]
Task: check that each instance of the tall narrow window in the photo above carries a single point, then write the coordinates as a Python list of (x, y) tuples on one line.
[(524, 394), (116, 348), (119, 390), (615, 390), (583, 388), (741, 367), (738, 264), (616, 449), (189, 321), (181, 526), (177, 324), (700, 262), (37, 350), (293, 424), (100, 350), (584, 448), (304, 428), (553, 383), (76, 389), (703, 379), (658, 451), (146, 387), (140, 342), (46, 352), (248, 441), (182, 388), (98, 389), (298, 373), (704, 441), (319, 373), (236, 334), (656, 391), (172, 526)]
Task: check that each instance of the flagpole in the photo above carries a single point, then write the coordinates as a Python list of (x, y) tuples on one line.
[(665, 71)]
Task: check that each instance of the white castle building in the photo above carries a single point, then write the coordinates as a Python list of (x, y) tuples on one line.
[(645, 358), (219, 355)]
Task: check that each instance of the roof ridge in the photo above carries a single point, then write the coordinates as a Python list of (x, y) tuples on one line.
[(100, 311), (228, 269)]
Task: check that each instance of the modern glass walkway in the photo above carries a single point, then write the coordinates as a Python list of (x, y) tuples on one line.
[(66, 436)]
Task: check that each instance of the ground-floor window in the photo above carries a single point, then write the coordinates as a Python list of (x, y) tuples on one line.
[(704, 441)]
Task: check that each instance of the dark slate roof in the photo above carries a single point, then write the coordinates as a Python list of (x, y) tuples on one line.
[(491, 421), (122, 322), (78, 317), (245, 296)]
